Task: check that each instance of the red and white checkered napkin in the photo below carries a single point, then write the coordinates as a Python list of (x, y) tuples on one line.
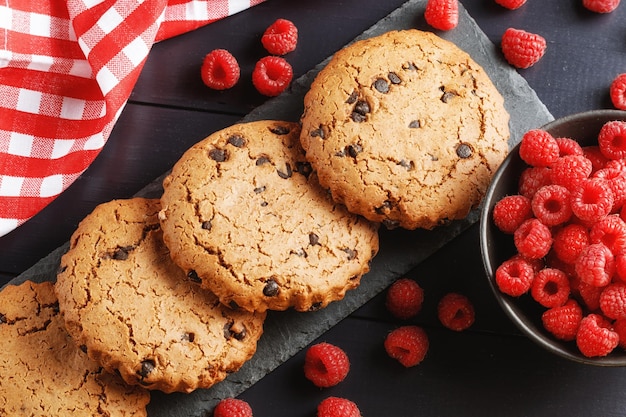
[(67, 68)]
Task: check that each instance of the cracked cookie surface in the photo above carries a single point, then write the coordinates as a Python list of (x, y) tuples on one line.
[(244, 214), (44, 373), (136, 313), (405, 129)]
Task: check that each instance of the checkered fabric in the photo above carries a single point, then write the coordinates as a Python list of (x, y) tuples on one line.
[(67, 68)]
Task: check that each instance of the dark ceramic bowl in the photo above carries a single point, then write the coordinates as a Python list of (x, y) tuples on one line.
[(496, 247)]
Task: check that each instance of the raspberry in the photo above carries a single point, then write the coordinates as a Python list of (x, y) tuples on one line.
[(326, 365), (569, 241), (404, 298), (511, 4), (616, 178), (612, 139), (272, 75), (593, 200), (510, 212), (617, 92), (619, 326), (533, 239), (455, 311), (570, 170), (595, 265), (620, 266), (442, 14), (595, 336), (514, 276), (563, 321), (613, 301), (610, 231), (569, 146), (522, 49), (407, 344), (232, 407), (592, 153), (589, 294), (550, 287), (551, 205), (281, 37), (220, 70), (538, 148), (337, 407), (601, 6), (532, 179)]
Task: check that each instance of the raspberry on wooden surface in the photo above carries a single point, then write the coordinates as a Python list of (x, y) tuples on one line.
[(407, 344), (455, 311), (563, 321), (514, 276), (539, 148), (533, 239), (442, 14), (601, 6), (281, 37), (511, 211), (550, 287), (220, 70), (232, 407), (617, 91), (522, 49), (596, 337), (404, 298), (337, 407), (326, 365), (272, 75)]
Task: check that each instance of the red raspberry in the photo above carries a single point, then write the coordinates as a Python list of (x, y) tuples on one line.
[(551, 205), (232, 407), (404, 298), (522, 49), (569, 146), (538, 148), (595, 336), (616, 178), (511, 4), (601, 6), (407, 344), (613, 301), (612, 139), (532, 179), (550, 287), (326, 365), (511, 211), (589, 295), (272, 75), (442, 14), (514, 276), (619, 326), (563, 321), (220, 70), (281, 37), (569, 241), (610, 231), (593, 200), (570, 170), (617, 92), (620, 266), (595, 265), (592, 153), (337, 407), (455, 311), (533, 239)]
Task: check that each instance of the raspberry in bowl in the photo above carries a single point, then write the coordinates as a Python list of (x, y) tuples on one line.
[(553, 236)]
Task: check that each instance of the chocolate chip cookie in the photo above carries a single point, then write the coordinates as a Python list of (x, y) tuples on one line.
[(43, 373), (244, 214), (405, 129), (137, 314)]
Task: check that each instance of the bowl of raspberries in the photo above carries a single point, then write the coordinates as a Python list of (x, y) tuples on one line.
[(553, 236)]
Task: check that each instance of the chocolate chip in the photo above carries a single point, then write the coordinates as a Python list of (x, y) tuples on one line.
[(409, 66), (233, 305), (262, 160), (409, 165), (393, 77), (304, 168), (147, 366), (381, 85), (314, 239), (83, 348), (350, 252), (353, 97), (237, 141), (384, 208), (315, 306), (318, 133), (300, 252), (3, 318), (361, 109), (264, 204), (391, 224), (271, 288), (280, 130), (121, 253), (206, 225), (447, 95), (415, 124), (193, 276), (287, 173), (354, 150), (218, 155), (464, 150), (189, 337), (231, 330), (259, 190)]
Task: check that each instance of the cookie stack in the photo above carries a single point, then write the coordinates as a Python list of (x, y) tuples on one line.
[(171, 294)]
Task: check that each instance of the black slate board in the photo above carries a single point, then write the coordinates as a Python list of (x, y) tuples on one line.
[(288, 332)]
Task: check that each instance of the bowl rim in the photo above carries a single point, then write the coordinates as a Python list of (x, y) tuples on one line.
[(508, 303)]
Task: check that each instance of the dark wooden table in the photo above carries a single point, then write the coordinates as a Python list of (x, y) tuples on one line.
[(489, 370)]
